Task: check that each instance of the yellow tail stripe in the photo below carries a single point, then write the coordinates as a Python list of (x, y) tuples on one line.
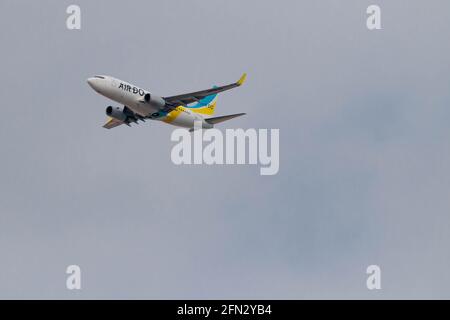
[(172, 115)]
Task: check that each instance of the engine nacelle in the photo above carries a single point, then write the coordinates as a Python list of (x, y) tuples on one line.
[(155, 101), (116, 113)]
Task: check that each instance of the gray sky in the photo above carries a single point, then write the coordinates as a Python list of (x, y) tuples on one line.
[(364, 151)]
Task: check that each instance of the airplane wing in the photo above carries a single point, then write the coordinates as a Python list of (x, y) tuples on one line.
[(112, 123), (184, 99), (131, 118)]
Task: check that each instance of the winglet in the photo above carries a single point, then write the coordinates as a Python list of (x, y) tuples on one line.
[(112, 123), (242, 80)]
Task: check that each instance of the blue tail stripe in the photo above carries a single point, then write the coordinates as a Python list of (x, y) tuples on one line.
[(205, 101)]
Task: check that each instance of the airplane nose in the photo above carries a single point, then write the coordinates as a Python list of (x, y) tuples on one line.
[(94, 83), (90, 82)]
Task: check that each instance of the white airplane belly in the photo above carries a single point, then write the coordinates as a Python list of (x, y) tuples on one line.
[(136, 104), (180, 118)]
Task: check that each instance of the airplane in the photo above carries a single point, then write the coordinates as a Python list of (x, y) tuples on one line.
[(140, 105)]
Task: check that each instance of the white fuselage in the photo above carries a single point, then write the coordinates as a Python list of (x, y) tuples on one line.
[(133, 97)]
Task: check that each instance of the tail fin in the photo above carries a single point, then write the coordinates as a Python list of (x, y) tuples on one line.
[(206, 106)]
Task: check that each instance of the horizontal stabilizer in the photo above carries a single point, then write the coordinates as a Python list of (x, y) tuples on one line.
[(223, 118)]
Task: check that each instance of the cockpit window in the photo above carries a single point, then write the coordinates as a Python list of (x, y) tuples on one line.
[(100, 77)]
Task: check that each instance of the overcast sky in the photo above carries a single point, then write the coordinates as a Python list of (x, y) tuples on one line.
[(364, 151)]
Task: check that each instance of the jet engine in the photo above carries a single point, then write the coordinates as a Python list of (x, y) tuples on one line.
[(154, 101), (116, 113)]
